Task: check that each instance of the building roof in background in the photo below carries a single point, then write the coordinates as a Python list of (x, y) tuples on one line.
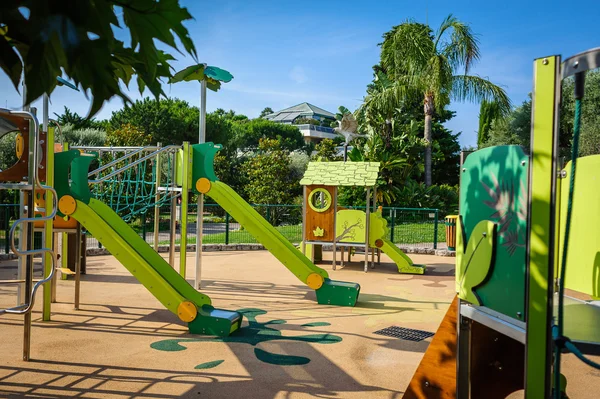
[(362, 174), (301, 110)]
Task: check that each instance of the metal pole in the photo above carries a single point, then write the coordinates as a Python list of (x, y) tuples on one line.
[(30, 195), (200, 208), (6, 228), (173, 233), (183, 208), (156, 201), (367, 227)]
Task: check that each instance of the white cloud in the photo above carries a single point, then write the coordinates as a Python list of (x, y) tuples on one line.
[(298, 75)]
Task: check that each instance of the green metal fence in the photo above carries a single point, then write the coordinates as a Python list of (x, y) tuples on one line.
[(415, 227)]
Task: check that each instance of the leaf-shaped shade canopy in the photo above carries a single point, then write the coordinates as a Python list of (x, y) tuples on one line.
[(218, 74), (213, 75)]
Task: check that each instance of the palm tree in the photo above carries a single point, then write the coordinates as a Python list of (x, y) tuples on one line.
[(434, 68)]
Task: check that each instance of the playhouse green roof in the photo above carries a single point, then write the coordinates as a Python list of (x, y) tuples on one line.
[(363, 174)]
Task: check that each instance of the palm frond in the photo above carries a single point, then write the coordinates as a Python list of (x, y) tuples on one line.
[(463, 48), (474, 88), (388, 99), (407, 49)]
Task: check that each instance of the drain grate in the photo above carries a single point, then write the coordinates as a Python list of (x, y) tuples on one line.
[(405, 333)]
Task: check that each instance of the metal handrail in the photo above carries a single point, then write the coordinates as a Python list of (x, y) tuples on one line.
[(111, 148), (113, 162), (27, 307), (138, 161)]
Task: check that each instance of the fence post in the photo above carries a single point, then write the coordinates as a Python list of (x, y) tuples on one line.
[(6, 228), (268, 213), (393, 210), (435, 229), (144, 225), (226, 228)]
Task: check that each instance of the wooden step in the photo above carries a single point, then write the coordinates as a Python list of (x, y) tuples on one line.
[(66, 270)]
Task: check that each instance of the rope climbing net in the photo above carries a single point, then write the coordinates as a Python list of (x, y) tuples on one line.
[(133, 180)]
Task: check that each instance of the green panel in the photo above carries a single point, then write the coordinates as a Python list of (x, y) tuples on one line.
[(541, 263), (203, 156), (494, 187), (583, 259), (62, 166), (152, 258), (128, 257), (404, 263), (350, 226), (262, 230), (308, 249), (80, 167), (475, 260), (377, 228), (338, 293)]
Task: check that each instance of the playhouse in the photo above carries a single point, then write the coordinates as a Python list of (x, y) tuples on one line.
[(327, 223)]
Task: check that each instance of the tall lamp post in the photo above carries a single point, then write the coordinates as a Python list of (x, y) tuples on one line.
[(210, 77)]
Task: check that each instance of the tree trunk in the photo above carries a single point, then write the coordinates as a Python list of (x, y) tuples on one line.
[(387, 139), (428, 108)]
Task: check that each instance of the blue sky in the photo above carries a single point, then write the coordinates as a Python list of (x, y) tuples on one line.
[(282, 53)]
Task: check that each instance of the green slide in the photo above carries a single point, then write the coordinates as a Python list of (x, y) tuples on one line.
[(404, 263), (172, 290), (328, 291)]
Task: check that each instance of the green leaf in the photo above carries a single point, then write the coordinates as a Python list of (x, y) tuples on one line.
[(10, 62), (209, 365), (280, 360)]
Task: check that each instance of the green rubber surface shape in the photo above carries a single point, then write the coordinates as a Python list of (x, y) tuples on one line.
[(404, 263), (264, 232), (133, 261), (493, 187), (148, 254)]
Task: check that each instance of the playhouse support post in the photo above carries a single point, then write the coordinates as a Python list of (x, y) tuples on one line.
[(367, 228), (304, 221), (335, 196)]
